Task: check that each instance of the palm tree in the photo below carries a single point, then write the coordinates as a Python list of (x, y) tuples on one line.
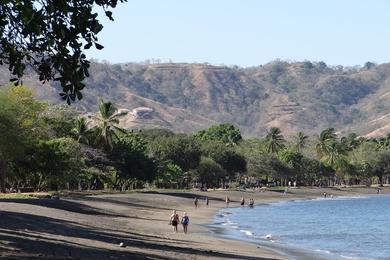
[(335, 156), (81, 130), (326, 136), (275, 140), (107, 121), (301, 141), (350, 142)]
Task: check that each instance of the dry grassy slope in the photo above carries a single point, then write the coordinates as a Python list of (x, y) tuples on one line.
[(293, 96)]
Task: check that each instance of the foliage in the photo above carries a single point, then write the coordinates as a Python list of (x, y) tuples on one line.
[(130, 158), (180, 150), (275, 140), (326, 137), (59, 120), (170, 176), (19, 126), (57, 162), (49, 36), (225, 133), (300, 141), (231, 161), (209, 173), (45, 147), (81, 130), (107, 122)]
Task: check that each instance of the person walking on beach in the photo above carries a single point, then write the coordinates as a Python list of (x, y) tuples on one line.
[(196, 202), (174, 221), (185, 220), (242, 201), (227, 200), (207, 201)]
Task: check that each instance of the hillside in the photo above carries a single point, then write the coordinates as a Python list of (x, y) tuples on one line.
[(293, 96)]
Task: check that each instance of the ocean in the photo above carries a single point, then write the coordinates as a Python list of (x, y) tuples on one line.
[(331, 228)]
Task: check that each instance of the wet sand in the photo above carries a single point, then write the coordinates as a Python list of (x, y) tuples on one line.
[(91, 226)]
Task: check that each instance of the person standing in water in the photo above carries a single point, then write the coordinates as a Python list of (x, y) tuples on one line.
[(227, 200), (185, 220), (242, 201), (251, 202), (207, 201), (196, 202), (174, 220)]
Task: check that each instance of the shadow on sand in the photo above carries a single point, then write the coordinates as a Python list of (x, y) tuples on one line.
[(28, 236)]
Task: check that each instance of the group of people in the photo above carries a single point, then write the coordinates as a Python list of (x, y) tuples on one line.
[(242, 202), (325, 195), (196, 201), (174, 221)]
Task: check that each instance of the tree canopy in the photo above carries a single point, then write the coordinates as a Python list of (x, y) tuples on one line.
[(50, 36), (45, 147), (226, 133)]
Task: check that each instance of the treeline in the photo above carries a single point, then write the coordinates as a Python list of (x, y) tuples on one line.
[(44, 147)]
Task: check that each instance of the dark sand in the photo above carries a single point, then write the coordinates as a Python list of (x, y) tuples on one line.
[(81, 226)]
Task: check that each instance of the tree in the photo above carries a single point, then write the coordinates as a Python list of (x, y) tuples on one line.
[(292, 159), (381, 166), (170, 174), (326, 136), (49, 36), (364, 158), (180, 149), (225, 133), (131, 160), (335, 157), (58, 162), (300, 141), (350, 142), (20, 124), (209, 172), (276, 168), (107, 121), (275, 140), (81, 130), (315, 172), (59, 119), (231, 161)]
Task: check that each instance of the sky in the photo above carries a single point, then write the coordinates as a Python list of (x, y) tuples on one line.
[(247, 32)]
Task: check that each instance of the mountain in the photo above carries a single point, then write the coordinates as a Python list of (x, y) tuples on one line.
[(294, 96)]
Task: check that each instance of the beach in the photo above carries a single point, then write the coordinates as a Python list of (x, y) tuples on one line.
[(92, 225)]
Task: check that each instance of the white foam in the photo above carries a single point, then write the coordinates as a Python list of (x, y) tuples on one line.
[(323, 251), (350, 257), (247, 232)]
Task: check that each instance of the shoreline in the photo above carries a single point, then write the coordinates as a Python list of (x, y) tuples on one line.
[(287, 250), (290, 251), (91, 226)]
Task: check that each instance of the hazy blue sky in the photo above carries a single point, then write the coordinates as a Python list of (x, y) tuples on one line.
[(248, 32)]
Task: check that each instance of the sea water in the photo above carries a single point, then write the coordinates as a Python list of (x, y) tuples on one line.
[(342, 227)]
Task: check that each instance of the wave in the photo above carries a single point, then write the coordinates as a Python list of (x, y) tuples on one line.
[(228, 223), (247, 232)]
